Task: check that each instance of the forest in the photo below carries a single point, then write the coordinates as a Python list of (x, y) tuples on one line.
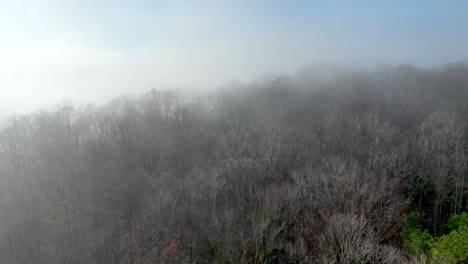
[(327, 165)]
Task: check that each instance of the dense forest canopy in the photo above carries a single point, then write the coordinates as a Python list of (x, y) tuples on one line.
[(329, 165)]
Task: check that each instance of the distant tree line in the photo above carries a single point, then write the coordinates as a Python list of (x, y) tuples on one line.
[(320, 167)]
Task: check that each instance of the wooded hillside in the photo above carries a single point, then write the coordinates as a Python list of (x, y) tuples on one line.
[(320, 167)]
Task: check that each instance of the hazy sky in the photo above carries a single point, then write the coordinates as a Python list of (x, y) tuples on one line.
[(93, 50)]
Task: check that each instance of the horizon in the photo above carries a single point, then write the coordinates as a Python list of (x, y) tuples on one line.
[(91, 52)]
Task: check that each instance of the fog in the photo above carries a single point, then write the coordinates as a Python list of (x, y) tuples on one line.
[(90, 52), (255, 132)]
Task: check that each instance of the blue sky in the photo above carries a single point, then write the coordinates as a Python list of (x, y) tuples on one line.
[(95, 50), (401, 28)]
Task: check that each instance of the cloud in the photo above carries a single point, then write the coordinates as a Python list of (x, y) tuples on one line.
[(50, 53), (91, 51)]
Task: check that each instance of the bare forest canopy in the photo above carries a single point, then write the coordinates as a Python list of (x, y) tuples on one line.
[(319, 167)]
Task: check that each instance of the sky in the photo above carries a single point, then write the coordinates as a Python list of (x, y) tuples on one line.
[(95, 50)]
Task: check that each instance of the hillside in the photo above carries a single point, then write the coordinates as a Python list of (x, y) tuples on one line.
[(325, 166)]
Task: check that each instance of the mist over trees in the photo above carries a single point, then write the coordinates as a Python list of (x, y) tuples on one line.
[(320, 167)]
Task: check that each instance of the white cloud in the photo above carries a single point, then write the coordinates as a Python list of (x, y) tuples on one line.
[(50, 53)]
